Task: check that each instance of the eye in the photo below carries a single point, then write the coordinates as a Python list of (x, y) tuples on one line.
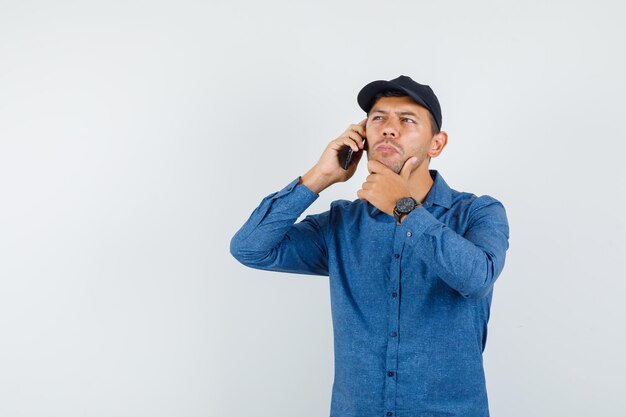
[(408, 120), (377, 118)]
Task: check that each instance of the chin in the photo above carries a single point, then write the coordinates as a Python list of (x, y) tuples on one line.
[(395, 167), (393, 164)]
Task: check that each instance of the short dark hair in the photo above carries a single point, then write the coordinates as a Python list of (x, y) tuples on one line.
[(397, 93)]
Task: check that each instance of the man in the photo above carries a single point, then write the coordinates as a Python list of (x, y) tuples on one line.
[(411, 263)]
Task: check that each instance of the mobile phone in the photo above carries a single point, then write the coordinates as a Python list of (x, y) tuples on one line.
[(346, 155)]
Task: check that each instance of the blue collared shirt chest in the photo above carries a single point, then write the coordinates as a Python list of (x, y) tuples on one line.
[(410, 302)]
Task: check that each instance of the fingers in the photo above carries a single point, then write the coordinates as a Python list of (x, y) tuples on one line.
[(376, 167), (356, 132), (353, 137), (368, 188), (358, 128), (342, 141)]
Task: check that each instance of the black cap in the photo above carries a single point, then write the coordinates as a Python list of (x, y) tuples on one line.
[(421, 93)]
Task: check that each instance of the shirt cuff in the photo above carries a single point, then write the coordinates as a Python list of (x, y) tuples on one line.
[(419, 220), (299, 192)]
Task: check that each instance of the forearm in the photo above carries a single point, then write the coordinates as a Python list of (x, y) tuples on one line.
[(469, 263), (270, 240), (316, 181)]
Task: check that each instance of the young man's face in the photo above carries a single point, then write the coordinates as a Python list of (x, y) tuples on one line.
[(398, 128)]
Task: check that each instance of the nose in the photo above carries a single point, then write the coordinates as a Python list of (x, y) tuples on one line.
[(390, 131)]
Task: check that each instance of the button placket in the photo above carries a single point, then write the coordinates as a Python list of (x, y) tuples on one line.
[(393, 284)]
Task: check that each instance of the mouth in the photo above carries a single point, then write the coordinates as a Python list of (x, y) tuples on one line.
[(386, 148)]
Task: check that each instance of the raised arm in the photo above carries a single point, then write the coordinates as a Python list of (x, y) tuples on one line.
[(271, 240)]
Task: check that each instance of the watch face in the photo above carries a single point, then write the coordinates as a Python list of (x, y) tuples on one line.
[(405, 205)]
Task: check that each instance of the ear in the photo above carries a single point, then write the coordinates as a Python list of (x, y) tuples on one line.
[(437, 143)]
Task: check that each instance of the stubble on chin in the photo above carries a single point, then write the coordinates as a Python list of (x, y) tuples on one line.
[(395, 166), (392, 163)]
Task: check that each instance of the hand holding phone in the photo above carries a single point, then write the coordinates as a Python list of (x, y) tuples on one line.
[(338, 153), (346, 155)]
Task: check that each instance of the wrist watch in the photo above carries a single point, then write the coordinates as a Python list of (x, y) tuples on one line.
[(404, 206)]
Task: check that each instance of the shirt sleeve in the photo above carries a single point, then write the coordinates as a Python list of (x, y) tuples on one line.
[(271, 240), (469, 263)]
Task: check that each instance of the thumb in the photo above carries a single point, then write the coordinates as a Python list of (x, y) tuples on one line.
[(408, 167)]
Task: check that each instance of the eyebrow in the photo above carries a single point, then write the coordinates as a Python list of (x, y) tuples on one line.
[(402, 113)]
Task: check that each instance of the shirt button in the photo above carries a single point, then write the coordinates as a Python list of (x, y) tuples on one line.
[(390, 373), (409, 234), (389, 413), (393, 334), (394, 294), (396, 255)]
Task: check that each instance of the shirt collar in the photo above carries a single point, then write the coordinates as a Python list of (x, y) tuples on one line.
[(440, 193)]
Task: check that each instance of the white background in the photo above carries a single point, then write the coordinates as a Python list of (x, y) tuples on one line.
[(137, 136)]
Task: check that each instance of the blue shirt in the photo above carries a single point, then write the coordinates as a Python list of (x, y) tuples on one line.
[(410, 302)]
